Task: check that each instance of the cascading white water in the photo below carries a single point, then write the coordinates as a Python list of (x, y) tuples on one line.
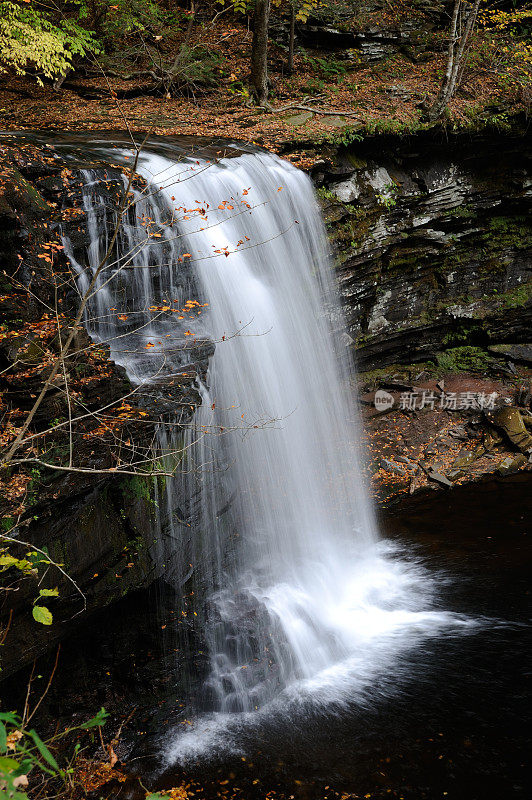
[(299, 512), (283, 538)]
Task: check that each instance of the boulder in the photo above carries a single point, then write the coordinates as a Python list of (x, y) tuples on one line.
[(510, 465)]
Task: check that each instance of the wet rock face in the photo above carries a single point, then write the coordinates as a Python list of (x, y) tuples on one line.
[(102, 527), (103, 536), (433, 244), (374, 39)]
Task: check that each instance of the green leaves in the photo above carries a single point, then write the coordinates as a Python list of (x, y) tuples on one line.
[(22, 752), (43, 615), (12, 775), (28, 567), (49, 592), (7, 561), (100, 719), (8, 716), (43, 750), (34, 39), (3, 738), (8, 764)]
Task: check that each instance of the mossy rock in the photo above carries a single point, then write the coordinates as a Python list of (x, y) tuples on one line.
[(463, 359)]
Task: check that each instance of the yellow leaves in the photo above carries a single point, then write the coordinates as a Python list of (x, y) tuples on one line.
[(147, 346), (304, 11), (178, 792), (12, 739), (93, 776)]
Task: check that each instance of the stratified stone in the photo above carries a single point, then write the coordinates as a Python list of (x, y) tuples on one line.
[(458, 432), (522, 353), (437, 477), (389, 466), (298, 119), (433, 245), (339, 122), (510, 465)]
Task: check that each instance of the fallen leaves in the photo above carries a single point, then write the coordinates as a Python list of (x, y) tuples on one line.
[(370, 97)]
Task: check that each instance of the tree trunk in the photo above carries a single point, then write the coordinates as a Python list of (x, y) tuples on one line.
[(291, 41), (462, 24), (259, 52)]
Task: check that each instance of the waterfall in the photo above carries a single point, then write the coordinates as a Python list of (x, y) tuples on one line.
[(300, 594)]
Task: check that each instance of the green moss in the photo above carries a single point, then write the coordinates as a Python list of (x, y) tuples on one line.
[(463, 359), (343, 137), (32, 195), (355, 161), (403, 259), (399, 371), (517, 298), (7, 523), (464, 211), (392, 126), (139, 487), (467, 332), (505, 232)]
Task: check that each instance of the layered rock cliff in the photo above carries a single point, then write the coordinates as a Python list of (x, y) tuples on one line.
[(433, 242)]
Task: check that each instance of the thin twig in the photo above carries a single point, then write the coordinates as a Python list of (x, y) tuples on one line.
[(50, 679)]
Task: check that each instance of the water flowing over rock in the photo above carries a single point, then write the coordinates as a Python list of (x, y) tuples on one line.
[(266, 520)]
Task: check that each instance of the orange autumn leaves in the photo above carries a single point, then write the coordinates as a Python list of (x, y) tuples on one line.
[(190, 308)]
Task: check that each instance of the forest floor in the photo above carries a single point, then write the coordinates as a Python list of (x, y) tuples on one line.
[(332, 97), (414, 451)]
